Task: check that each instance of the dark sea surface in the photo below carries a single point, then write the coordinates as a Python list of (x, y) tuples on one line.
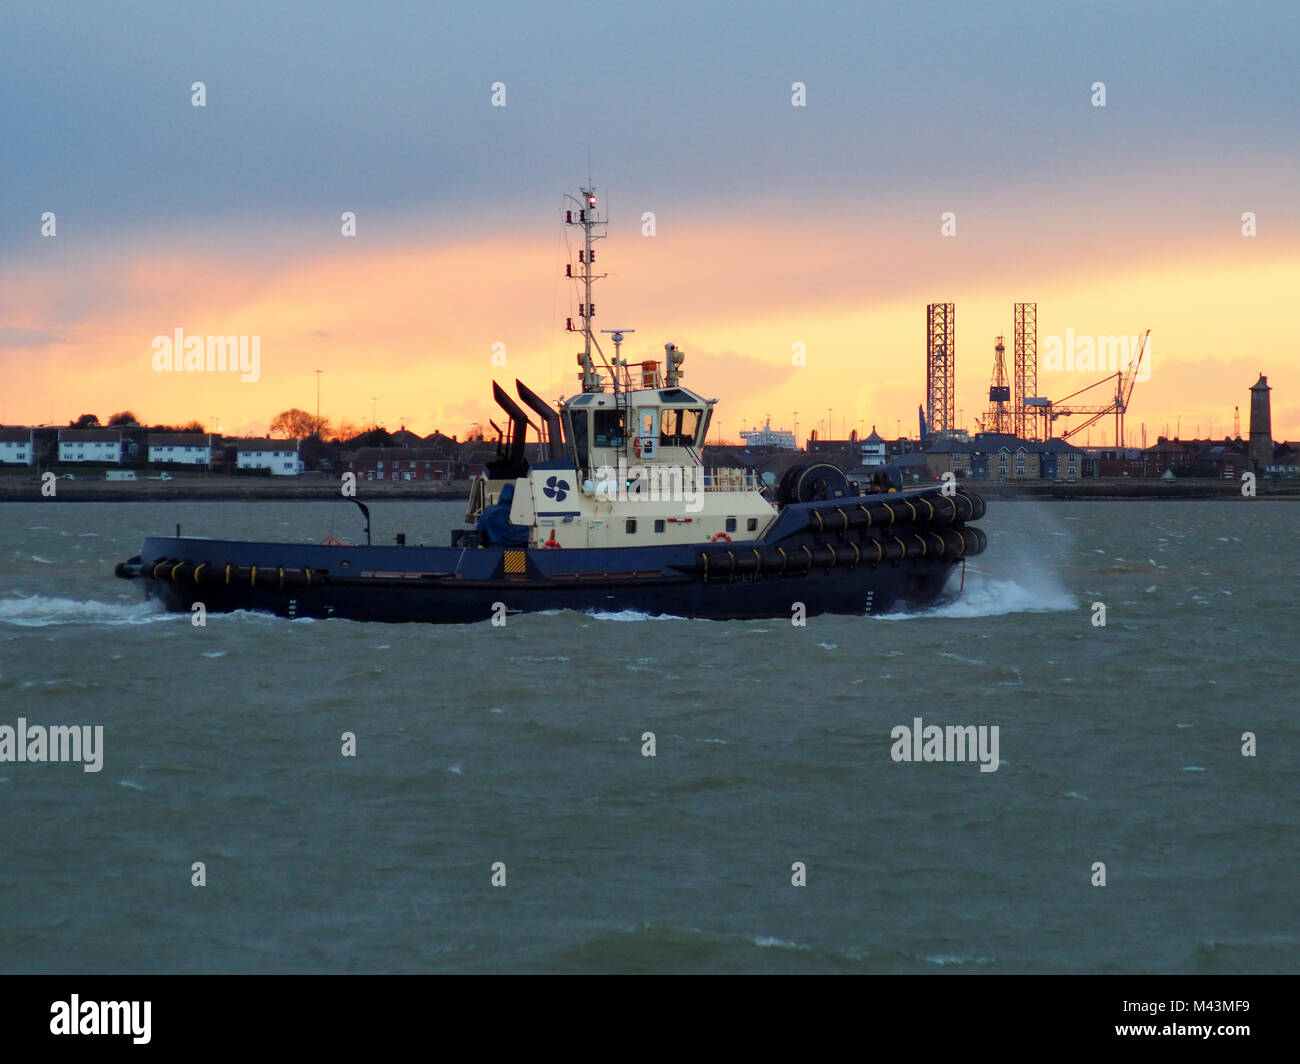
[(1120, 744)]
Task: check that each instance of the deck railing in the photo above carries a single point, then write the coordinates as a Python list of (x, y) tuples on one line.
[(732, 478)]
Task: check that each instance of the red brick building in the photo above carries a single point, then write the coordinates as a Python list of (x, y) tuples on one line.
[(421, 464)]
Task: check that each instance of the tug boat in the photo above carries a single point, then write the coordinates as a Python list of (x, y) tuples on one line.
[(618, 512)]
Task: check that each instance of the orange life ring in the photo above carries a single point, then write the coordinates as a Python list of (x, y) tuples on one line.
[(721, 537), (552, 542)]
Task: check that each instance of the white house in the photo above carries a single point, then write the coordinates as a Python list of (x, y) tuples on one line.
[(17, 447), (183, 448), (90, 445), (279, 456), (873, 450)]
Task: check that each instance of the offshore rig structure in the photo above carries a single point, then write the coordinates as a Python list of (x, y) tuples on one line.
[(1015, 406)]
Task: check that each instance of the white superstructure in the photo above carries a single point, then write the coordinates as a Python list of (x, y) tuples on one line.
[(622, 460)]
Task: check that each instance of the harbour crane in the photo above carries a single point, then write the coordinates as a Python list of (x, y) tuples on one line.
[(1124, 378)]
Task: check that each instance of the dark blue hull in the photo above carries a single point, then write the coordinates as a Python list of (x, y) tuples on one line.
[(814, 556)]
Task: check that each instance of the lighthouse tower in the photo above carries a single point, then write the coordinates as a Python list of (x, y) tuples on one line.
[(1261, 428)]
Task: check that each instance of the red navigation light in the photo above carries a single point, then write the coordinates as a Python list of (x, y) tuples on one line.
[(568, 217), (591, 200)]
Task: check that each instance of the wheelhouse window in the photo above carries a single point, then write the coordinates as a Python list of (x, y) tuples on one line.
[(575, 424), (610, 429), (679, 427)]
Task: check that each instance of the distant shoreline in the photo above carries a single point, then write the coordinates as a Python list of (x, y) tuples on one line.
[(224, 489), (1121, 490)]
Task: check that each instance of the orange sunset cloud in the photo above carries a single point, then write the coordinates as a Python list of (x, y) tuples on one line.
[(413, 324)]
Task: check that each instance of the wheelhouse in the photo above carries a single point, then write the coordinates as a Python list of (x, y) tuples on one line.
[(665, 425)]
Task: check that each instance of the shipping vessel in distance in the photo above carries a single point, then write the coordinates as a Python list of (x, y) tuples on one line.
[(618, 512)]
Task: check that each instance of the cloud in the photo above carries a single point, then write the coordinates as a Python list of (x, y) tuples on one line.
[(414, 322), (13, 336)]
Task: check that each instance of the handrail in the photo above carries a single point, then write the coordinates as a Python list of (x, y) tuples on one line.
[(732, 478)]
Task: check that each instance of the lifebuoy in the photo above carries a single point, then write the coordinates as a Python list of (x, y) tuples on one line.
[(721, 537), (552, 542)]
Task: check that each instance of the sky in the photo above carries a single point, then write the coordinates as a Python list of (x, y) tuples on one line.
[(777, 228)]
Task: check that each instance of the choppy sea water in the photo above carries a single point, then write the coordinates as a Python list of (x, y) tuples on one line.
[(523, 745)]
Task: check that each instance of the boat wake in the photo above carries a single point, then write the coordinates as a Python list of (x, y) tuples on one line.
[(631, 615), (1022, 574), (987, 596), (40, 611)]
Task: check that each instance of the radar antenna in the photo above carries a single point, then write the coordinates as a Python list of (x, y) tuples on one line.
[(588, 217)]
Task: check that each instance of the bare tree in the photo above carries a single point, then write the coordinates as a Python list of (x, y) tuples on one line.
[(296, 424)]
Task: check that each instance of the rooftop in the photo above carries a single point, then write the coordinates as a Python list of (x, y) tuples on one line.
[(266, 445), (398, 454), (90, 435)]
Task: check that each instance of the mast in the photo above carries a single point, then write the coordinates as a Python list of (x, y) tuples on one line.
[(588, 216)]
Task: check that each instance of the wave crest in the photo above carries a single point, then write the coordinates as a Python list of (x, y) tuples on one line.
[(40, 611)]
